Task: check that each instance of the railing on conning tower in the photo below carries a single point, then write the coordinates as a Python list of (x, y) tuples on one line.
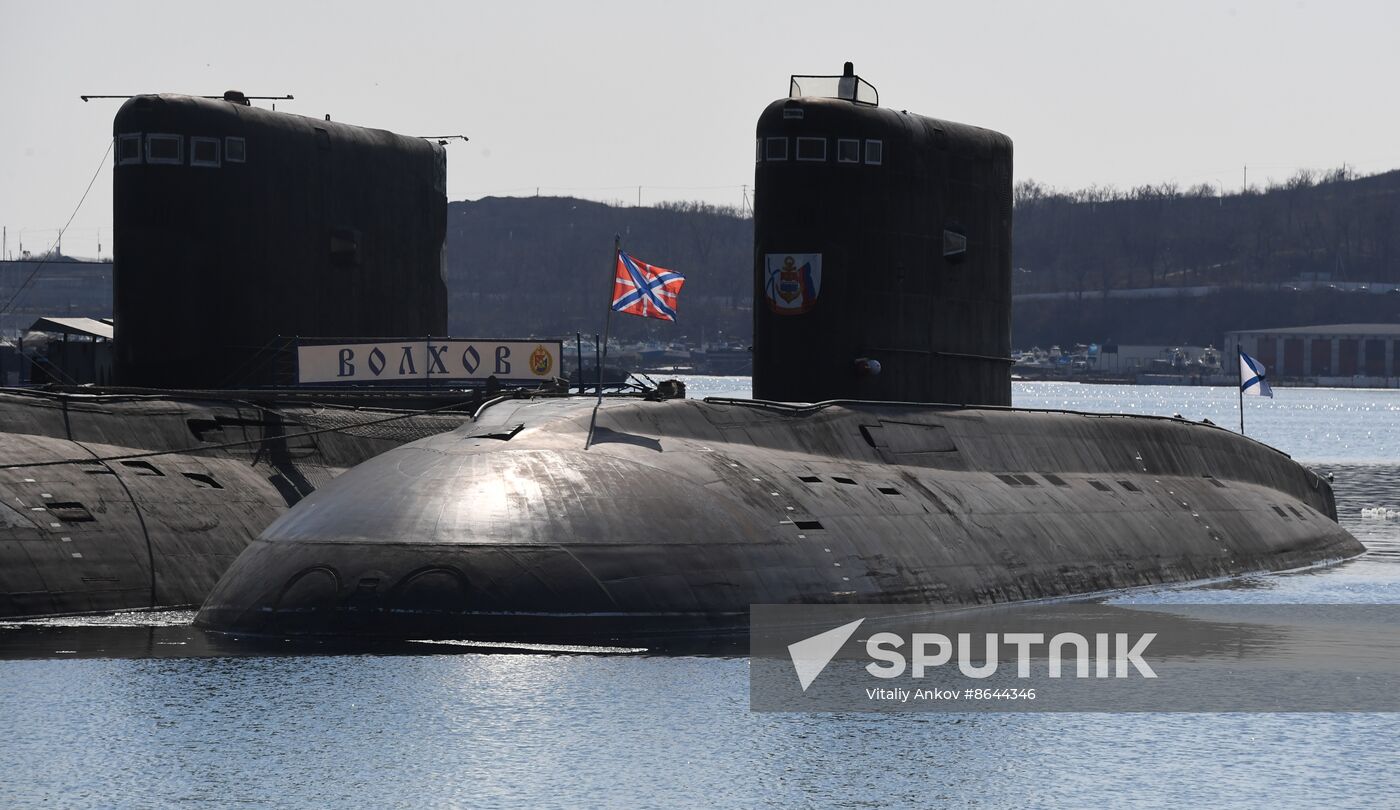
[(847, 86)]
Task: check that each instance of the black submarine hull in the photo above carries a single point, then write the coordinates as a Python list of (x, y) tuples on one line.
[(124, 501), (542, 521)]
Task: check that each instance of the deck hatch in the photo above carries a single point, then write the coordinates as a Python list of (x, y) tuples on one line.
[(502, 432), (203, 481), (70, 512), (901, 438), (143, 468)]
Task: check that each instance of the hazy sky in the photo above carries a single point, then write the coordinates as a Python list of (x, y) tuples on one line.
[(596, 98)]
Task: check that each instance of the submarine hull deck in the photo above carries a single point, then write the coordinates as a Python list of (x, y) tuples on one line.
[(125, 501), (558, 520)]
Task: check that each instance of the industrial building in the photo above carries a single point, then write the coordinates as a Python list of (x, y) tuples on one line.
[(1359, 355)]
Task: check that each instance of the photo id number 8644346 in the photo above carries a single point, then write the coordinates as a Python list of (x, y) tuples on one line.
[(998, 694)]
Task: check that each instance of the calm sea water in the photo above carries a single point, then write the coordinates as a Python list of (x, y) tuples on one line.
[(142, 711)]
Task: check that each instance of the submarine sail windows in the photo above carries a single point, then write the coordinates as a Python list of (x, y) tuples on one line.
[(235, 150), (166, 149), (874, 152), (811, 149), (848, 150), (777, 149), (128, 148), (204, 152)]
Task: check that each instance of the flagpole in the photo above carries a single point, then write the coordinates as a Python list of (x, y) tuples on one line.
[(607, 324), (1239, 366), (578, 348)]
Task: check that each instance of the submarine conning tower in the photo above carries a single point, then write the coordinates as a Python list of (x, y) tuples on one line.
[(238, 228), (882, 252)]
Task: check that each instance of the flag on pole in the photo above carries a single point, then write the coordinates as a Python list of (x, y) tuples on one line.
[(644, 289), (1253, 381)]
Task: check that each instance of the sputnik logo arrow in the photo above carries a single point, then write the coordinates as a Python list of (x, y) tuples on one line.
[(811, 655)]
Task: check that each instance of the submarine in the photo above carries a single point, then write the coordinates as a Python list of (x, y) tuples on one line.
[(880, 462), (236, 229)]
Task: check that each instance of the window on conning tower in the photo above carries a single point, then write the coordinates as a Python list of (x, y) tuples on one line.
[(128, 148), (874, 152), (777, 149), (235, 150), (811, 149), (204, 152), (166, 149), (848, 150)]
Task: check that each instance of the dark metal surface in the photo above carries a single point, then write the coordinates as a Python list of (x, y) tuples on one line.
[(681, 514), (116, 502), (938, 324), (321, 229)]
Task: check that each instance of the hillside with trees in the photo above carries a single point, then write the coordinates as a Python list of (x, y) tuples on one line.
[(540, 266), (1331, 226), (1155, 264), (1292, 254)]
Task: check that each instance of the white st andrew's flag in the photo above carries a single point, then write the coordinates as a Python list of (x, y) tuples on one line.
[(1253, 381)]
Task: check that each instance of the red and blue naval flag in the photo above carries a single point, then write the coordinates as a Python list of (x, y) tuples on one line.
[(645, 289)]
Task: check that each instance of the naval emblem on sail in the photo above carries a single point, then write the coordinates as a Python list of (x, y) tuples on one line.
[(541, 361), (792, 281)]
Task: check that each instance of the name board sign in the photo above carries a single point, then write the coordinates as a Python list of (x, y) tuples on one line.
[(404, 361)]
